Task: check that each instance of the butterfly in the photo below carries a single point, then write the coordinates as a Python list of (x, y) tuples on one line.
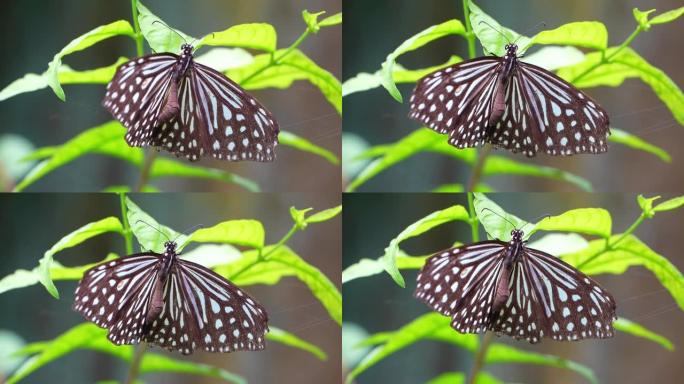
[(515, 290), (510, 104), (170, 302), (173, 103)]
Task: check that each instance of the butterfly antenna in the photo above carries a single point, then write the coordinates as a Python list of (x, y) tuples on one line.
[(496, 213), (190, 230), (536, 220), (153, 227), (174, 31), (542, 23), (496, 29)]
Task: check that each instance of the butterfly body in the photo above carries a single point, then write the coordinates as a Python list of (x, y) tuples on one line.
[(510, 104), (174, 103), (515, 290), (170, 302)]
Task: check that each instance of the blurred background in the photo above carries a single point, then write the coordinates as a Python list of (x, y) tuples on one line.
[(373, 29), (37, 30), (377, 304), (31, 224)]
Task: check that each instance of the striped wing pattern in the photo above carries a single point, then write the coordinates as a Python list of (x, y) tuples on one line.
[(546, 296), (512, 105), (204, 311), (188, 109), (115, 295), (201, 310)]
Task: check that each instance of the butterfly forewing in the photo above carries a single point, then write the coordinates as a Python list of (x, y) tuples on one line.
[(204, 311), (511, 104), (138, 93), (115, 295), (460, 283)]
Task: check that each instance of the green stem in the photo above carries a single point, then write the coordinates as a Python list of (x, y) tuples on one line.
[(150, 154), (135, 363), (470, 37), (609, 246), (128, 238), (474, 223), (136, 27), (276, 60), (606, 58), (262, 258), (480, 357), (476, 175)]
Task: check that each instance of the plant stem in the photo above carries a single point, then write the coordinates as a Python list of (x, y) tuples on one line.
[(474, 224), (135, 363), (150, 156), (470, 37), (477, 170), (606, 58), (261, 258), (275, 60), (127, 227), (479, 358), (136, 27)]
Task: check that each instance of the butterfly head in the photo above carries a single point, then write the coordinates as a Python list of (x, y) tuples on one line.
[(186, 49), (170, 247), (511, 49), (516, 235)]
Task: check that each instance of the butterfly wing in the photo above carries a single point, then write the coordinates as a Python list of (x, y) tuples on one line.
[(203, 310), (461, 283), (550, 298), (459, 100), (545, 113), (219, 119), (138, 96), (115, 295)]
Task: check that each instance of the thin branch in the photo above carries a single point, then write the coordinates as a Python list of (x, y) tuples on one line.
[(476, 175), (479, 358), (134, 370), (150, 156)]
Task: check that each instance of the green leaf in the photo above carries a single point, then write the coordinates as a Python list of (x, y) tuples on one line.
[(552, 57), (311, 20), (492, 35), (434, 326), (560, 243), (497, 165), (458, 188), (282, 262), (28, 83), (629, 252), (150, 234), (670, 204), (159, 35), (460, 377), (588, 34), (370, 267), (120, 27), (324, 215), (89, 336), (127, 189), (297, 142), (646, 204), (627, 64), (106, 139), (627, 326), (367, 81), (282, 337), (101, 75), (223, 59), (414, 143), (248, 233), (331, 20), (299, 216), (72, 149), (590, 221), (262, 73), (456, 212), (668, 16), (96, 228), (451, 27), (259, 36), (632, 141), (19, 279), (498, 223)]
